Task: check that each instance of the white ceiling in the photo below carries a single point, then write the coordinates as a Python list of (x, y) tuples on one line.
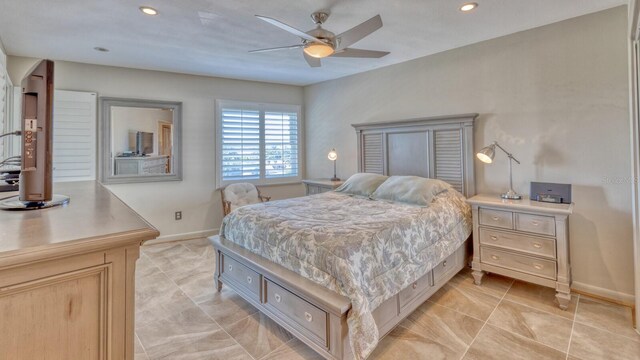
[(212, 37)]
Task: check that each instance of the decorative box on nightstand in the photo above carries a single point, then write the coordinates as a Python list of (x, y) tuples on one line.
[(317, 186), (522, 239)]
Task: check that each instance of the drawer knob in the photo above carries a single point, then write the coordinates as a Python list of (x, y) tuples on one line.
[(495, 257), (444, 263), (249, 279), (278, 298), (537, 245), (415, 285), (308, 317), (495, 218), (494, 238), (538, 266), (534, 223), (230, 267)]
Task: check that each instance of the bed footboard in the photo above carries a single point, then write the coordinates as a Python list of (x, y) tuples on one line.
[(312, 313)]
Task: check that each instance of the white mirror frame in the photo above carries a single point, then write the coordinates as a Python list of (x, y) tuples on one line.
[(105, 164)]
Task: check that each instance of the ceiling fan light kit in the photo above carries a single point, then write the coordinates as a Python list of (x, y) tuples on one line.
[(319, 43)]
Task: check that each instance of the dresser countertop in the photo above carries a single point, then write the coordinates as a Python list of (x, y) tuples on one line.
[(93, 219), (526, 204)]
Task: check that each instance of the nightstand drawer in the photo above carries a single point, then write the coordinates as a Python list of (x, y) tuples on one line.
[(497, 218), (523, 263), (539, 224), (529, 244)]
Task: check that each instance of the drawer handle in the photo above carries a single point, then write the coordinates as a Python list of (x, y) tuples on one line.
[(495, 218), (537, 245), (444, 263), (494, 238), (249, 279), (534, 223), (278, 298), (308, 316), (415, 285), (495, 257), (230, 267), (538, 266)]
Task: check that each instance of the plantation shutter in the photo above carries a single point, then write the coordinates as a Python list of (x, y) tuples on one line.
[(74, 136), (281, 144), (3, 111), (240, 144)]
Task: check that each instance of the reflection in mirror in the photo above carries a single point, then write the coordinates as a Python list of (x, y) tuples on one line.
[(142, 138)]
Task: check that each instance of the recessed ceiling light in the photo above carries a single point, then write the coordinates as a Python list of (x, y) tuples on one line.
[(101, 49), (468, 6), (148, 10)]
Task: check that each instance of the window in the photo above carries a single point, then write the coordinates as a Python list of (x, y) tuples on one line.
[(258, 143)]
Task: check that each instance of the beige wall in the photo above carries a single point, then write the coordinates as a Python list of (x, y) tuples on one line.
[(195, 196), (556, 96)]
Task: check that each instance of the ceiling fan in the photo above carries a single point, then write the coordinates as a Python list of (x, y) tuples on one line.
[(320, 43)]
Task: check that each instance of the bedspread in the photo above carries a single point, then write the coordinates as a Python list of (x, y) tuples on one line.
[(367, 250)]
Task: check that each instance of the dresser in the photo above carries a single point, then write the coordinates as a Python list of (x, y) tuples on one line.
[(67, 277), (317, 186), (141, 165), (522, 239)]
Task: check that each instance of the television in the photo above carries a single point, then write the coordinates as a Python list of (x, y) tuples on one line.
[(36, 182), (144, 143)]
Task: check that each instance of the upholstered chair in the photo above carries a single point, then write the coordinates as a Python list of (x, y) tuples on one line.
[(240, 194)]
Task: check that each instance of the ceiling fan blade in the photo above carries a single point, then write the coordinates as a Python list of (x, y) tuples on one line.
[(358, 32), (288, 28), (359, 53), (313, 62), (277, 48)]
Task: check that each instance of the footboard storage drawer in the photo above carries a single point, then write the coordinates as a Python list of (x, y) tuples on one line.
[(412, 291), (292, 308), (234, 271), (527, 264), (446, 266)]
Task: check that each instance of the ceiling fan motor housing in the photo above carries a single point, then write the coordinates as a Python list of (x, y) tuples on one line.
[(325, 35)]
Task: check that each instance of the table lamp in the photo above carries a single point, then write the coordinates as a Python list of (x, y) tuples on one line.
[(486, 155), (333, 156)]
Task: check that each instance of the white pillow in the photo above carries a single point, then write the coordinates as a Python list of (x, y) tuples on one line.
[(410, 189), (363, 184)]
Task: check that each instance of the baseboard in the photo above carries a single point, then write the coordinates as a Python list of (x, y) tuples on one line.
[(604, 294), (184, 236)]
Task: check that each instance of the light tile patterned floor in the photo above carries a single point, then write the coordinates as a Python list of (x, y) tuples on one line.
[(180, 316)]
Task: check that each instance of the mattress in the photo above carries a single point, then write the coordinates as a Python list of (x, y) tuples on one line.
[(367, 250)]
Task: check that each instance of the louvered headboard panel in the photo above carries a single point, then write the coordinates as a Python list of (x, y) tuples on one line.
[(438, 147)]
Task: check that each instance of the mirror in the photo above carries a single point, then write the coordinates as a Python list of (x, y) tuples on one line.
[(140, 140)]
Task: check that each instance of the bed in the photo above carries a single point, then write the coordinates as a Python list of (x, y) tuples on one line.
[(341, 271)]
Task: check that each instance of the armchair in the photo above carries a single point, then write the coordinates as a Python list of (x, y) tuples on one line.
[(240, 194)]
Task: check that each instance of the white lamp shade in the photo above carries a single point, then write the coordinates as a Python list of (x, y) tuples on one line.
[(333, 155)]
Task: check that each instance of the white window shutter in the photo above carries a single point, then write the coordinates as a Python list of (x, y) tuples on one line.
[(74, 136), (240, 144), (281, 144)]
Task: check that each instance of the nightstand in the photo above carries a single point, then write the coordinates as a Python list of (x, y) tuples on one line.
[(523, 239), (317, 186)]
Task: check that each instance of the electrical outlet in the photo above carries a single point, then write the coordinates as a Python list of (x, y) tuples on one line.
[(178, 215)]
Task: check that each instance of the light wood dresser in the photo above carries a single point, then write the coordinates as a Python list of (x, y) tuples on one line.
[(67, 277), (523, 239), (317, 186)]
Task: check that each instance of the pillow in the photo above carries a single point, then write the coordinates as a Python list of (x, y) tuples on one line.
[(362, 184), (410, 189)]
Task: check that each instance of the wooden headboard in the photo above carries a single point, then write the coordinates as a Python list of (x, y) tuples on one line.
[(437, 147)]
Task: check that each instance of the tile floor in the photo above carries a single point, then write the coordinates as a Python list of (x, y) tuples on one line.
[(180, 316)]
